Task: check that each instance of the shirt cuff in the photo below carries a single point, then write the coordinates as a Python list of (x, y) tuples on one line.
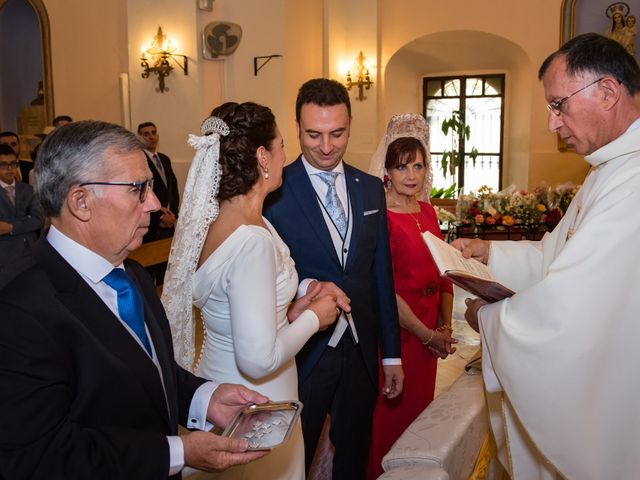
[(304, 286), (391, 361), (176, 454), (199, 405)]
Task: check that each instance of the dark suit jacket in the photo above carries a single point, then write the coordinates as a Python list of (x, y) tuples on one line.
[(25, 167), (169, 197), (367, 277), (26, 217), (79, 398)]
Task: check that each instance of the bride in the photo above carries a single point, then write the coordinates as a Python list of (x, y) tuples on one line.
[(232, 264)]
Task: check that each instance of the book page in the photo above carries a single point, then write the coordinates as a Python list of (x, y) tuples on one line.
[(448, 258)]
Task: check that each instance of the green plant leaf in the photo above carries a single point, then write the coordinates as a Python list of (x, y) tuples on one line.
[(451, 158)]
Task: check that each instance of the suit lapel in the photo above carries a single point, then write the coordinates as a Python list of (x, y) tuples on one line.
[(85, 305), (164, 356), (159, 188), (354, 188), (21, 197), (304, 193)]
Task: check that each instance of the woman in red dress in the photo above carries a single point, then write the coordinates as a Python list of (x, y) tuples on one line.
[(424, 298)]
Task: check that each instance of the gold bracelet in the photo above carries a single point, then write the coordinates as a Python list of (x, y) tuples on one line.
[(445, 327), (433, 332)]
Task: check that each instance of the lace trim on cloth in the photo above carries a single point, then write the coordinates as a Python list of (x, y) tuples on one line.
[(412, 125), (198, 210)]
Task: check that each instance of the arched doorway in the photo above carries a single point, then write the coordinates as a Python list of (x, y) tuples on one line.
[(26, 87)]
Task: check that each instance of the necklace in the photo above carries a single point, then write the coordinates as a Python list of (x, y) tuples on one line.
[(416, 219), (403, 207)]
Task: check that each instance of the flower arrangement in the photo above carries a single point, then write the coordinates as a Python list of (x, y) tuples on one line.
[(542, 207)]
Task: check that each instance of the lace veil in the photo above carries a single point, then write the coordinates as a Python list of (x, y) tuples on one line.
[(404, 125), (198, 210)]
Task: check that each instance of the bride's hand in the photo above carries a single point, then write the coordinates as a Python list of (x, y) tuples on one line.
[(302, 303), (327, 310)]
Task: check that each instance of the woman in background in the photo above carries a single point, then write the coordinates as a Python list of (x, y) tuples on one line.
[(245, 278), (425, 300)]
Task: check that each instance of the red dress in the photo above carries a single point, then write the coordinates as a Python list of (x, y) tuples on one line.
[(417, 281)]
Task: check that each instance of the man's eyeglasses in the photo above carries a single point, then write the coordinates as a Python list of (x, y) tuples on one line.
[(142, 188), (556, 107), (9, 164)]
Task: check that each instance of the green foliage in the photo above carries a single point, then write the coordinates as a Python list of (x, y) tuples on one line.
[(451, 158), (450, 192)]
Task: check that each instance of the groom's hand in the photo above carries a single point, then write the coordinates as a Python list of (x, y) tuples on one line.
[(330, 288)]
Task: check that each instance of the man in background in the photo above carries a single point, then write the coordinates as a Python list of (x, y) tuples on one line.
[(20, 215), (165, 187), (13, 140), (61, 120)]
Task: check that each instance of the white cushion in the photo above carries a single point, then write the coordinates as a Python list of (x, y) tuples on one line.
[(447, 434)]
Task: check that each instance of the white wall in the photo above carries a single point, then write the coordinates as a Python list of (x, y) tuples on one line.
[(88, 50)]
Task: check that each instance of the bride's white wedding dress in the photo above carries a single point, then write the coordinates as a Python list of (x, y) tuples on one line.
[(243, 290)]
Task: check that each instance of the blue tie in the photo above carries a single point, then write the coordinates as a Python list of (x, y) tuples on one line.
[(332, 202), (129, 304)]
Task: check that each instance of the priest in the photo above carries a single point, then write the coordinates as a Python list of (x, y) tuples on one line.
[(560, 357)]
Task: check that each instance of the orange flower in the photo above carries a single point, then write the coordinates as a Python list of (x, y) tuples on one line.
[(479, 218), (508, 220), (541, 208)]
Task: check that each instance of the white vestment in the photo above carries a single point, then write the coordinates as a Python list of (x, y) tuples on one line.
[(561, 357)]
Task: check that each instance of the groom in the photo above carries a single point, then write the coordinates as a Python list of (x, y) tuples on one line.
[(333, 218)]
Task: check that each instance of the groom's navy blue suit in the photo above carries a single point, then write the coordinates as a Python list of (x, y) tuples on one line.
[(366, 278)]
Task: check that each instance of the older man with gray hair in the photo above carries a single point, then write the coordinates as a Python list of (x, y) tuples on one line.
[(90, 388), (560, 357)]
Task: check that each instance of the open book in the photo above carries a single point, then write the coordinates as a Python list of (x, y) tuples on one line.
[(469, 274)]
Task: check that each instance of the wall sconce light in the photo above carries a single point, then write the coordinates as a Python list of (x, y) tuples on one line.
[(363, 80), (159, 54)]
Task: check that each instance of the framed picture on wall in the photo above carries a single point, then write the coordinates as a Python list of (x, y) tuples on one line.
[(617, 20)]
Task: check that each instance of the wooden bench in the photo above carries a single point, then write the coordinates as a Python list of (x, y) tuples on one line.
[(152, 253)]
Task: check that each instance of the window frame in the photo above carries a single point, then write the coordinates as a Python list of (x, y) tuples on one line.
[(462, 107)]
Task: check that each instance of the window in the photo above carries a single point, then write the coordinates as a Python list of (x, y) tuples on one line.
[(481, 100)]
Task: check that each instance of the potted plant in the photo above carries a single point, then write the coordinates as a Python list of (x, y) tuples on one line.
[(459, 131), (456, 129)]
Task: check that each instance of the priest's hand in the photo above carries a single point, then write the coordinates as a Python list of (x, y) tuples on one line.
[(471, 314), (473, 248)]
